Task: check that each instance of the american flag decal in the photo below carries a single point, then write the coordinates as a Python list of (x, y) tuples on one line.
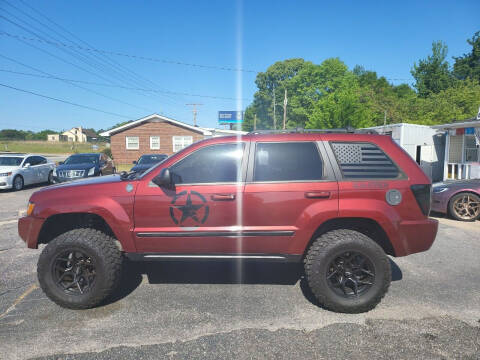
[(364, 161)]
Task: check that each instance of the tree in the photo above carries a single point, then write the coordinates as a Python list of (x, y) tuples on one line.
[(468, 65), (432, 74)]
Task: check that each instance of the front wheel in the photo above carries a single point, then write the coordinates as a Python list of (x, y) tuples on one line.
[(79, 268), (464, 207), (347, 271), (18, 183)]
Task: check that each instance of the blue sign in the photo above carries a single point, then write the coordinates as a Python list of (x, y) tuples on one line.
[(230, 117)]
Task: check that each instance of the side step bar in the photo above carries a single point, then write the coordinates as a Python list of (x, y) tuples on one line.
[(210, 257)]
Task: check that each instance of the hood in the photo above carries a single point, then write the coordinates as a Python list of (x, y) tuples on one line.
[(4, 169), (84, 166), (109, 179)]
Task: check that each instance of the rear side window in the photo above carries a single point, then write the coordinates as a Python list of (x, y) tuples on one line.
[(289, 161), (364, 161)]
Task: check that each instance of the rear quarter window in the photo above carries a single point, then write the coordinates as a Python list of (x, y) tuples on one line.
[(364, 161)]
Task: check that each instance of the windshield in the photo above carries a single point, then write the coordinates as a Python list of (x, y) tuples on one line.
[(151, 159), (10, 161), (82, 159)]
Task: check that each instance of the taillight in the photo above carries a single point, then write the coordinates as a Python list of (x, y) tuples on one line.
[(423, 195)]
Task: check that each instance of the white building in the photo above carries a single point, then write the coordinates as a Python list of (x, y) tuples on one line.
[(423, 143), (462, 155)]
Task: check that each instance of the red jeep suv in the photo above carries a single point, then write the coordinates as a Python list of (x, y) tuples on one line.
[(338, 202)]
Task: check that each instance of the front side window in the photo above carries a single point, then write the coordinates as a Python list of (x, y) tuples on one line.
[(364, 161), (155, 142), (132, 142), (289, 161), (180, 142), (212, 164)]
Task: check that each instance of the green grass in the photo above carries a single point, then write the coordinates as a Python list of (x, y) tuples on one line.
[(47, 147)]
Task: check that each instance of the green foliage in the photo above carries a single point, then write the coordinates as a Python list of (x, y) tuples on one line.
[(432, 74), (329, 95), (468, 65), (108, 151)]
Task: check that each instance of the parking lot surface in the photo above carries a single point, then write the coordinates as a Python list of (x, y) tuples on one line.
[(244, 310)]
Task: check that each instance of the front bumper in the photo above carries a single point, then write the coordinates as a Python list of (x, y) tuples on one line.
[(6, 182), (415, 236), (29, 230)]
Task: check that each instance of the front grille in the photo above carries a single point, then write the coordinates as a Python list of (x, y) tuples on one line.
[(70, 173)]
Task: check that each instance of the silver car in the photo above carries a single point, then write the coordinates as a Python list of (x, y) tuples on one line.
[(18, 170)]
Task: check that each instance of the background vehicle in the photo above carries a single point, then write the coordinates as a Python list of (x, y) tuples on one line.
[(339, 203), (18, 170), (459, 199), (82, 166), (145, 162)]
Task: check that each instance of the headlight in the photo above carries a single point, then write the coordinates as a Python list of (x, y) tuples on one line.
[(6, 174), (438, 190), (55, 172), (91, 171)]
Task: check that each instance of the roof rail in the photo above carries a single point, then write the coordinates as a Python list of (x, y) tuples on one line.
[(348, 130)]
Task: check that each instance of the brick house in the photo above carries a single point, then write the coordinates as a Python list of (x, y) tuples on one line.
[(155, 134)]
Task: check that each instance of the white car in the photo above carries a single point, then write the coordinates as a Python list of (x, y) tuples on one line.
[(18, 170)]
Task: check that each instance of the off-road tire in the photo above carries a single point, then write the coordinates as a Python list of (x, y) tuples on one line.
[(105, 255), (325, 249), (453, 213), (15, 179)]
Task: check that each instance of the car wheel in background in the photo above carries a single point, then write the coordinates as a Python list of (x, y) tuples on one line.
[(50, 177), (347, 271), (18, 183), (464, 206)]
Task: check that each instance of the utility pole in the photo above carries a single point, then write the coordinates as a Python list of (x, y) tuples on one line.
[(195, 111), (384, 121), (285, 100), (254, 122), (274, 106)]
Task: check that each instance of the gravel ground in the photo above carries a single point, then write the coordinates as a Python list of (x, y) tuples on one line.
[(251, 310)]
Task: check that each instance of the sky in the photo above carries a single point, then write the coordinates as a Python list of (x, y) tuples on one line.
[(166, 40)]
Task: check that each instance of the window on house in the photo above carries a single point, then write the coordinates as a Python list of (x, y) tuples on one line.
[(132, 142), (471, 150), (155, 142), (180, 142)]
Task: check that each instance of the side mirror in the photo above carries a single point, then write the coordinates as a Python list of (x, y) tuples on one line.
[(27, 165), (164, 179), (134, 162)]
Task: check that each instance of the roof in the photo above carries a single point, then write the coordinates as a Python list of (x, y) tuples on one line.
[(89, 133), (397, 125), (155, 117), (473, 122)]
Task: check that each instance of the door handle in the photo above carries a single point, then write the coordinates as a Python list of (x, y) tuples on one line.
[(223, 197), (317, 194)]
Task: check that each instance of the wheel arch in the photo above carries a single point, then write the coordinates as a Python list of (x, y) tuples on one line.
[(58, 224), (366, 226)]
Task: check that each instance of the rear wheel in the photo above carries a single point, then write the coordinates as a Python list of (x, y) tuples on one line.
[(50, 177), (465, 207), (347, 271), (80, 268), (18, 183)]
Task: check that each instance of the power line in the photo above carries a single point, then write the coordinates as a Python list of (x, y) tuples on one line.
[(73, 84), (119, 86), (165, 61), (65, 101)]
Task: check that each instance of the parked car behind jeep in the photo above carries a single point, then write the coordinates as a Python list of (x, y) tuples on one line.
[(146, 161), (83, 165), (338, 203)]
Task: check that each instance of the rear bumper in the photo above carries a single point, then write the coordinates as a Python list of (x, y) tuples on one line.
[(29, 230), (415, 236)]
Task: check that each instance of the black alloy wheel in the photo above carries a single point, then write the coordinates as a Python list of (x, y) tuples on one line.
[(350, 274), (74, 272)]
